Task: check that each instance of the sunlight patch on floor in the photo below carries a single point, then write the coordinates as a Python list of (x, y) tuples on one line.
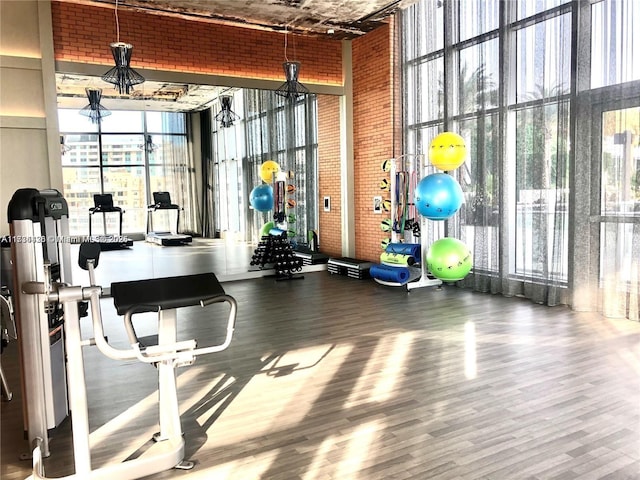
[(132, 434), (357, 450), (279, 396), (470, 366), (383, 370)]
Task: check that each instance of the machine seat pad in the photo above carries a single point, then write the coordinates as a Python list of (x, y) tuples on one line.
[(155, 294)]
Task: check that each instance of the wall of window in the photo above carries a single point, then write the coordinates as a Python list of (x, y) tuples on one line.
[(507, 76), (129, 155), (269, 128)]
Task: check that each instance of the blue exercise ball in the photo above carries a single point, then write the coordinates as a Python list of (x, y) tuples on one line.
[(438, 196), (261, 198)]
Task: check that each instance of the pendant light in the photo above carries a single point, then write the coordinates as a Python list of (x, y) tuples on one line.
[(226, 116), (122, 75), (291, 89), (94, 110)]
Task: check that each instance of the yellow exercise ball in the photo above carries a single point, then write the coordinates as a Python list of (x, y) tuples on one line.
[(448, 151), (268, 169)]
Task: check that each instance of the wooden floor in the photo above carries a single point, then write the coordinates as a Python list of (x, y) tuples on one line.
[(331, 377)]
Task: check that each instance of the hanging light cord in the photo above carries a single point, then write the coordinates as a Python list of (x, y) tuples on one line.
[(285, 44), (117, 24)]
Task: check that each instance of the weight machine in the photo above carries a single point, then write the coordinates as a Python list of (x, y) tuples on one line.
[(38, 229), (43, 293)]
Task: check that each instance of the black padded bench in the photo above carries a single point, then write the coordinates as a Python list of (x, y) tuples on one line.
[(155, 294), (165, 295)]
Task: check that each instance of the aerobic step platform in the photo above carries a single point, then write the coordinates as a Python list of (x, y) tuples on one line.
[(309, 257), (350, 267)]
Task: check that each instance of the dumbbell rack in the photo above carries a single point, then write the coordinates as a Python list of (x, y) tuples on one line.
[(276, 250)]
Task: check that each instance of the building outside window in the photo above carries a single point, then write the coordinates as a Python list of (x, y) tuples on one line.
[(115, 157)]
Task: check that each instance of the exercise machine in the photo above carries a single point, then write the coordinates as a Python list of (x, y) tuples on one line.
[(38, 228), (162, 295), (162, 203), (103, 203), (7, 320), (7, 333)]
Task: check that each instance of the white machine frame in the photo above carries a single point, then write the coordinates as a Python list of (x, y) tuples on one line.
[(168, 449)]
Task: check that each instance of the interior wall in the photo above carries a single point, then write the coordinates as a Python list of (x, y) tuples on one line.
[(82, 33), (329, 180), (29, 148), (373, 115)]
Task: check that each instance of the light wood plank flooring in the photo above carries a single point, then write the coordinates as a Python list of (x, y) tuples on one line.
[(335, 378)]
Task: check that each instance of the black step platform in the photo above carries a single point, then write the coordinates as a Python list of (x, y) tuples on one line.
[(309, 257), (351, 267)]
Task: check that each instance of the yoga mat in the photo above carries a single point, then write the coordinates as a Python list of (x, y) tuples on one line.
[(389, 274), (412, 249), (397, 258)]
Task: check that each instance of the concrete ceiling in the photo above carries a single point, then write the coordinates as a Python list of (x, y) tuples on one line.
[(346, 18), (341, 19), (151, 96)]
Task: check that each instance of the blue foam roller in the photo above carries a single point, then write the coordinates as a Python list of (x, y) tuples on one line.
[(389, 274), (412, 249)]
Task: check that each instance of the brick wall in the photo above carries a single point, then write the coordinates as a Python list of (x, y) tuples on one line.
[(330, 228), (373, 134), (82, 33)]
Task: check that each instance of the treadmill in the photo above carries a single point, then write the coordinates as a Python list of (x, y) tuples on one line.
[(103, 203), (162, 203)]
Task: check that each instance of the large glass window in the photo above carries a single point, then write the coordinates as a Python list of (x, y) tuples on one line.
[(543, 79), (286, 132), (119, 156), (526, 8), (614, 32), (620, 167), (269, 128), (478, 77), (532, 85), (505, 89), (477, 17)]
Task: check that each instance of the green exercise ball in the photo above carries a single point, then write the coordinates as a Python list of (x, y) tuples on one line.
[(449, 259), (266, 228)]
